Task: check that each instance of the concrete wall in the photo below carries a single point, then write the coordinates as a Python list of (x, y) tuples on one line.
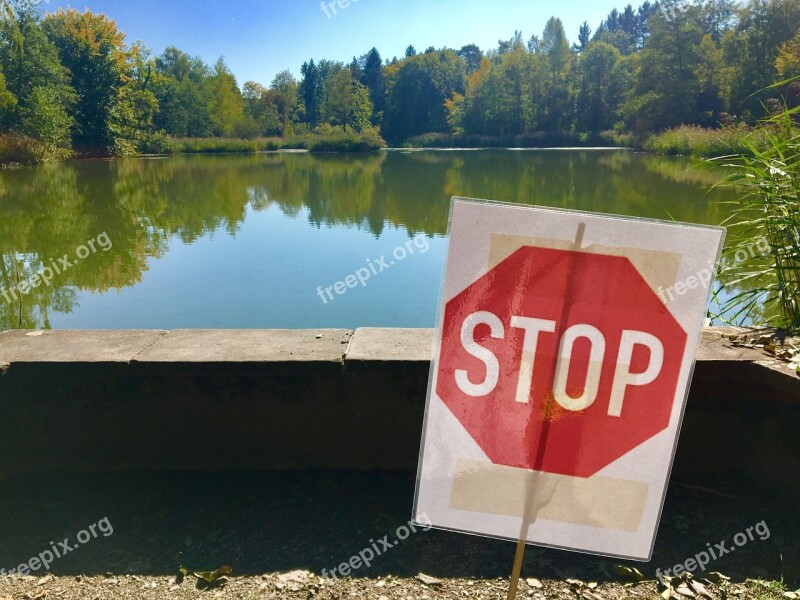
[(107, 400)]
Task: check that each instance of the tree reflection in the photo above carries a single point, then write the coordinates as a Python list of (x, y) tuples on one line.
[(47, 212)]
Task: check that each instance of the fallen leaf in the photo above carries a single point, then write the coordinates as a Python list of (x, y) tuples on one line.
[(700, 589), (630, 573), (218, 576), (298, 576), (685, 590), (428, 580), (45, 580), (668, 593), (534, 583), (717, 578)]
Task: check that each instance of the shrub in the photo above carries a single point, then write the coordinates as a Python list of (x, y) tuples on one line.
[(692, 140), (21, 149), (368, 140), (765, 290), (539, 139)]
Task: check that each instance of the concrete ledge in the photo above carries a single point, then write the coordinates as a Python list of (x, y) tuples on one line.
[(197, 400), (247, 346), (387, 345), (75, 346)]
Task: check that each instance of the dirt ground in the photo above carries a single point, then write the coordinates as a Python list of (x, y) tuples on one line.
[(281, 532)]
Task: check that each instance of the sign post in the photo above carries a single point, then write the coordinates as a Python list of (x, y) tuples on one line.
[(562, 365)]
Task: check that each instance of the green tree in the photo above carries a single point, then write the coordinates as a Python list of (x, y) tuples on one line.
[(262, 117), (93, 49), (751, 54), (181, 87), (416, 93), (38, 97), (584, 35), (373, 77), (285, 83), (557, 111), (666, 88), (225, 102), (473, 56), (346, 101), (602, 87)]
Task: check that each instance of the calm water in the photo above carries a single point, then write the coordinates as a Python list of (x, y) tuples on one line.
[(254, 241)]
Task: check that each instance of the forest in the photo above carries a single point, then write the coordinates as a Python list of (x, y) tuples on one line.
[(71, 83)]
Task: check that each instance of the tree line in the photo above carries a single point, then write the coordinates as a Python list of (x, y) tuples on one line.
[(71, 81)]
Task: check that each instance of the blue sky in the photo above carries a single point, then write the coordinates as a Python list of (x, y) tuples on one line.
[(259, 38)]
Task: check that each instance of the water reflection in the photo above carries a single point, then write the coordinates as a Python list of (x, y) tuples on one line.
[(148, 205)]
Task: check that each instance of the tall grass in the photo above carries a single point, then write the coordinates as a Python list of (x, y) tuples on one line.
[(765, 290), (539, 139), (324, 140), (21, 149), (693, 140)]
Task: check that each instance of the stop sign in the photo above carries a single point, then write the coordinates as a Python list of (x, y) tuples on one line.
[(560, 361)]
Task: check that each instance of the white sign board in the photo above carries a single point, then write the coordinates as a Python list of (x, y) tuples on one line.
[(565, 347)]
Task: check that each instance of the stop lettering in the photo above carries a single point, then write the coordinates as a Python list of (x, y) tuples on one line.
[(570, 345)]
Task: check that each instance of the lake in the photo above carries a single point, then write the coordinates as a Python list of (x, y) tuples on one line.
[(260, 241)]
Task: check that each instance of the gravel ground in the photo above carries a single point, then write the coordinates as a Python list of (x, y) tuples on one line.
[(279, 531)]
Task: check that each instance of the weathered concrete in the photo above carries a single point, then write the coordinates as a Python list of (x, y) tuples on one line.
[(75, 346), (248, 346), (391, 345), (99, 400)]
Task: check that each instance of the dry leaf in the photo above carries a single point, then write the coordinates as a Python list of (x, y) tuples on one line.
[(534, 583), (428, 580), (630, 573), (717, 578), (700, 589), (684, 590)]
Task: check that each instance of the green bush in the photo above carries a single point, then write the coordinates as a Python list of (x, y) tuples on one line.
[(692, 140), (225, 145), (765, 290), (21, 149), (540, 139), (158, 143), (368, 140)]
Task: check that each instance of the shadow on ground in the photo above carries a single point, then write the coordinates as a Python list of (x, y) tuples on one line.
[(264, 522)]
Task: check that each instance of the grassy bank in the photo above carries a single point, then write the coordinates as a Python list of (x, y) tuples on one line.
[(691, 140), (330, 140), (535, 140), (21, 150), (18, 149)]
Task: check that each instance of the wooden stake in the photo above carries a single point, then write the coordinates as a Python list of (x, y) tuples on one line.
[(527, 519), (517, 570)]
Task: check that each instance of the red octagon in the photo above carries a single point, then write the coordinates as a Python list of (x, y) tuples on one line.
[(578, 293)]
